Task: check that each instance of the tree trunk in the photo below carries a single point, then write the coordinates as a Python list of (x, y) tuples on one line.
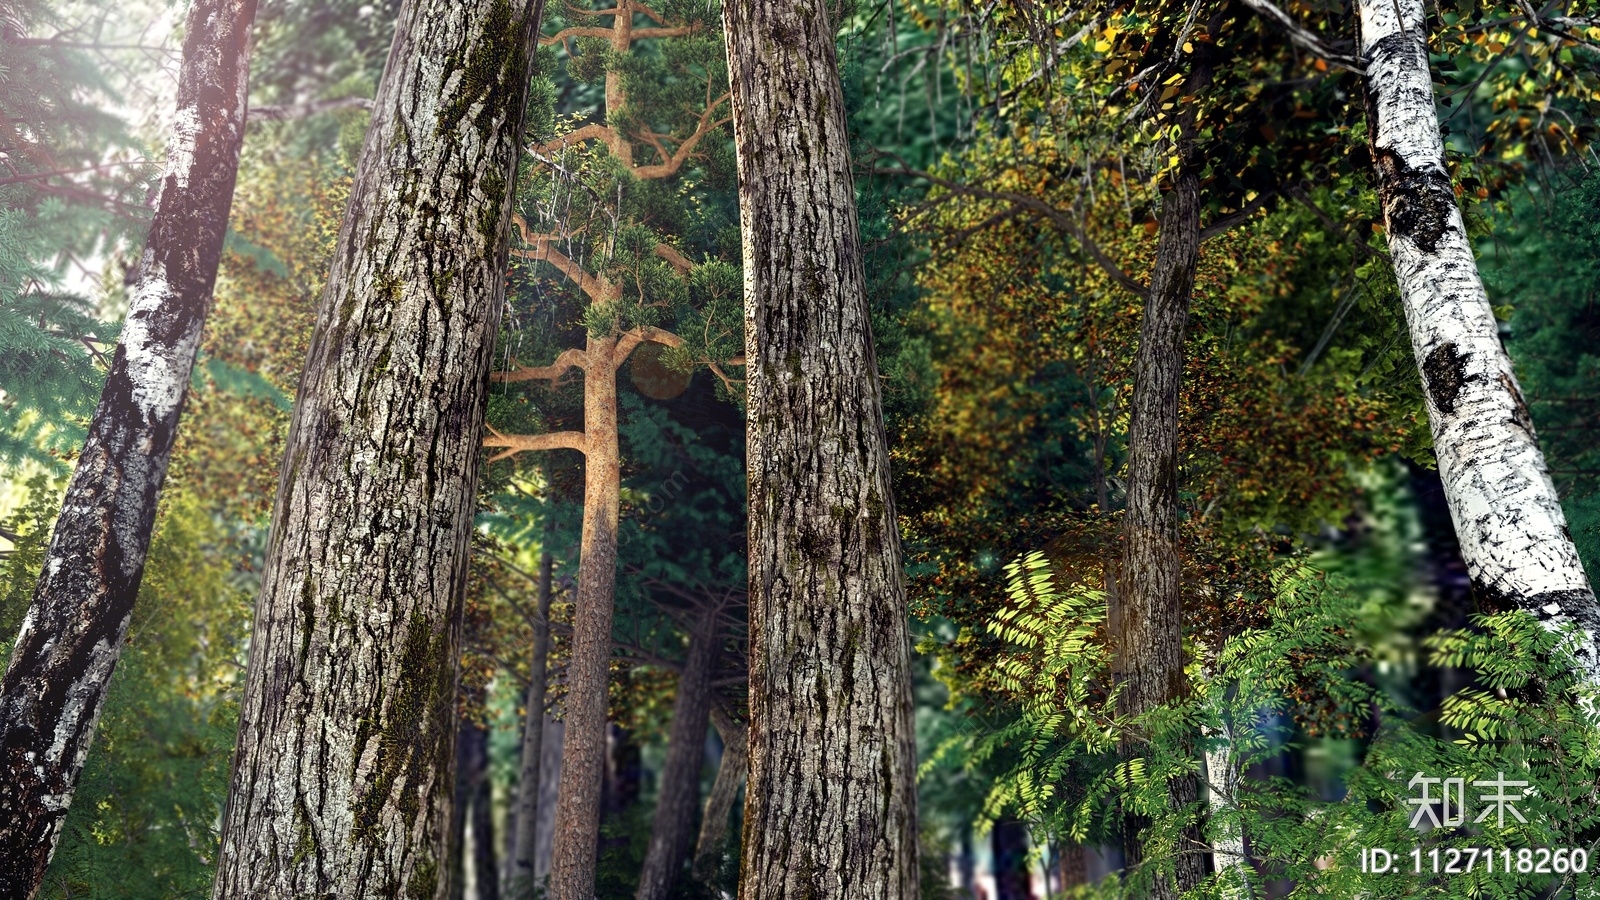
[(583, 759), (1508, 517), (1008, 843), (724, 790), (62, 660), (486, 875), (342, 777), (472, 799), (831, 802), (1148, 615), (525, 813), (554, 741), (680, 773)]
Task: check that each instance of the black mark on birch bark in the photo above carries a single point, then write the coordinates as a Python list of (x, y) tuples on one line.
[(1419, 201), (1445, 371)]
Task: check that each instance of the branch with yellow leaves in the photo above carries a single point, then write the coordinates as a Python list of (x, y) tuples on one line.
[(520, 443)]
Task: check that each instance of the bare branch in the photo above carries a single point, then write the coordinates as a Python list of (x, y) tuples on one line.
[(571, 358), (1299, 36), (542, 249), (1060, 218), (636, 336), (1227, 222), (518, 443)]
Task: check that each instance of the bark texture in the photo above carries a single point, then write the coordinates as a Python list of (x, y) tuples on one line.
[(830, 808), (583, 758), (525, 812), (1148, 617), (680, 773), (62, 660), (724, 791), (343, 774), (1507, 514)]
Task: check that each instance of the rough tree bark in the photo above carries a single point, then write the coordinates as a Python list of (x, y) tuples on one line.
[(62, 660), (830, 808), (1148, 620), (342, 780), (724, 790), (525, 812), (1513, 534), (583, 759), (680, 773)]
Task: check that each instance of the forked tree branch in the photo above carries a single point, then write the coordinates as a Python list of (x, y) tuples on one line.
[(519, 443)]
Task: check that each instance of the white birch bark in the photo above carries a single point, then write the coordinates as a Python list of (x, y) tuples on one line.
[(61, 664), (1513, 534)]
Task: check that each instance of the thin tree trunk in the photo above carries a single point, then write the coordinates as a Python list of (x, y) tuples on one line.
[(472, 798), (1008, 843), (555, 732), (831, 801), (486, 874), (50, 698), (525, 814), (724, 790), (1149, 617), (342, 777), (1227, 841), (680, 774), (583, 760), (1507, 514)]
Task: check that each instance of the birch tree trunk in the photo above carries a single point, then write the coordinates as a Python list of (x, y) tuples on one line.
[(1148, 613), (724, 790), (50, 698), (830, 809), (525, 813), (342, 779), (583, 759), (680, 773), (1513, 534)]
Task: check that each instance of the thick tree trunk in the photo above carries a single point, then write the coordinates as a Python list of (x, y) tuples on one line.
[(62, 660), (680, 774), (724, 790), (583, 760), (342, 778), (524, 816), (1507, 515), (831, 802)]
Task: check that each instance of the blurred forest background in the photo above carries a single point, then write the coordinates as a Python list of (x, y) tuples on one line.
[(1315, 524)]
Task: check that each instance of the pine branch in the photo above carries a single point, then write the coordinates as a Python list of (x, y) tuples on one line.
[(519, 443)]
